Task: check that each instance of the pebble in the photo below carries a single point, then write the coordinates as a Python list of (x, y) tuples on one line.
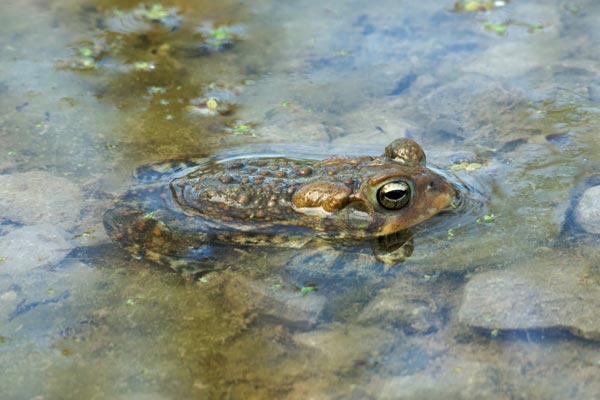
[(587, 213)]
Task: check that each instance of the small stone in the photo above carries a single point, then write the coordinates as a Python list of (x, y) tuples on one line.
[(305, 171), (243, 199), (587, 213), (226, 179)]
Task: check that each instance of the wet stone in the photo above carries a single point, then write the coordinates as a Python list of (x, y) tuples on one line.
[(406, 304), (546, 292), (587, 213), (38, 197), (226, 179), (32, 247), (344, 346), (290, 308), (236, 165), (244, 199), (33, 299), (305, 171), (470, 380)]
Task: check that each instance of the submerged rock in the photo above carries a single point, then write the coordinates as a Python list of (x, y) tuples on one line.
[(545, 292), (291, 308), (38, 197), (587, 213), (407, 304), (31, 247), (583, 215), (470, 380), (343, 347)]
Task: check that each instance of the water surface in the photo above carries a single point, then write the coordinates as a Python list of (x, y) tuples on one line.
[(91, 90)]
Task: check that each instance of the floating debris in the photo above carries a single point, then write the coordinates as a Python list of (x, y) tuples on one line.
[(159, 14), (143, 18), (156, 12), (478, 5), (501, 28), (242, 128), (87, 55), (156, 90), (212, 104), (307, 289), (487, 218), (216, 100), (143, 66), (219, 37)]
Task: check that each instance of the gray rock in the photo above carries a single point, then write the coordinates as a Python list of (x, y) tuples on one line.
[(546, 292), (39, 197), (32, 247), (587, 213)]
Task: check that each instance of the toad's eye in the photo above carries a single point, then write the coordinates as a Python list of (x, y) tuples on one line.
[(394, 195)]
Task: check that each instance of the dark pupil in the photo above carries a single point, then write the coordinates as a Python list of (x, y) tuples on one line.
[(395, 194)]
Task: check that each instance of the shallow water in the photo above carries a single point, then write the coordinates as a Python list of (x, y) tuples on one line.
[(493, 308)]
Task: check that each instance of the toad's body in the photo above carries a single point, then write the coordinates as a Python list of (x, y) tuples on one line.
[(277, 200)]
